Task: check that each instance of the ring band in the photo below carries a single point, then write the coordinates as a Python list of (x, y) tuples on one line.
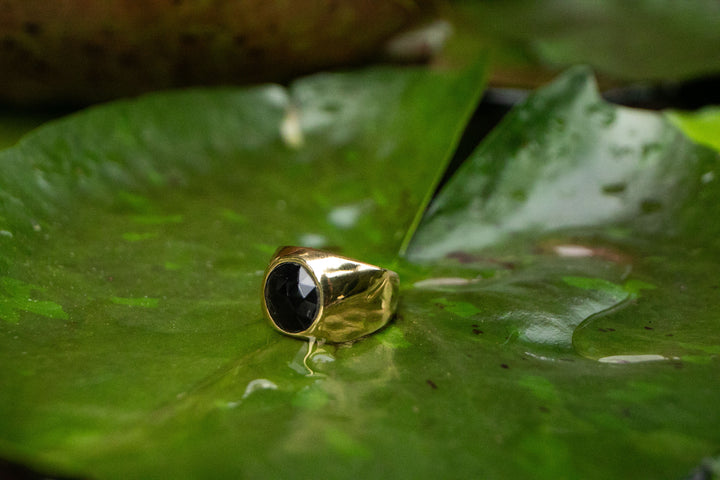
[(309, 293)]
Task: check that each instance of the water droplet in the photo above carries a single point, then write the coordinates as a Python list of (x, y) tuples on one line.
[(345, 216), (441, 282), (258, 384), (573, 251), (300, 362), (313, 240), (420, 44), (322, 357), (276, 95), (291, 130), (634, 358)]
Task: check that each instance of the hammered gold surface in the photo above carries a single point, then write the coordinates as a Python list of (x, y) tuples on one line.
[(355, 298)]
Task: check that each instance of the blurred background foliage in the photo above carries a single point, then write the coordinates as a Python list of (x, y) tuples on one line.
[(58, 56), (77, 52)]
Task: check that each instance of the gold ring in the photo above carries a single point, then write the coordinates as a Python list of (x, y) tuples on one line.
[(309, 293)]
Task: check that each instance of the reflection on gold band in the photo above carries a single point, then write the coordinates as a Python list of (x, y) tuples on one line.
[(355, 298)]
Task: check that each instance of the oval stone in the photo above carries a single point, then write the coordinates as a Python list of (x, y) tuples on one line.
[(291, 296)]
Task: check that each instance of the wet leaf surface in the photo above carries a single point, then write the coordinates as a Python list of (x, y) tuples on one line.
[(605, 222), (520, 348), (132, 242)]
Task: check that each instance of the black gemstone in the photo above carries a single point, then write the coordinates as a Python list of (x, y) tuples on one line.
[(291, 296)]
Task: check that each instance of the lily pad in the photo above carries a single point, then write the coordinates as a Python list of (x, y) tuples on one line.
[(519, 349), (585, 235), (133, 237)]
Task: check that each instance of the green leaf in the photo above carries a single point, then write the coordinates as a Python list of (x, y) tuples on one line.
[(567, 160), (133, 241), (519, 349), (702, 126), (649, 40), (586, 237)]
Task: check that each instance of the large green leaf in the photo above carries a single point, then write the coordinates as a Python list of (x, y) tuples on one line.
[(580, 240), (133, 238)]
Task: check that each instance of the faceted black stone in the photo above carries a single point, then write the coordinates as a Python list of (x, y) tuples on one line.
[(291, 296)]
